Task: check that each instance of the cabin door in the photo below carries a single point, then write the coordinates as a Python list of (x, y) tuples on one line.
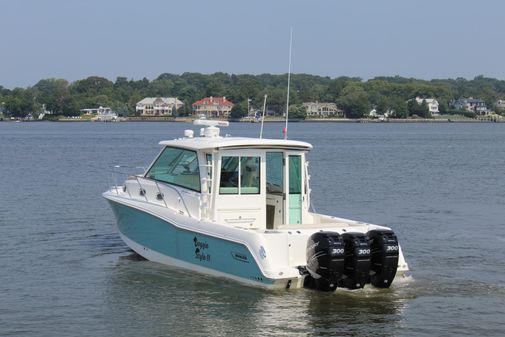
[(275, 189), (294, 188), (284, 188)]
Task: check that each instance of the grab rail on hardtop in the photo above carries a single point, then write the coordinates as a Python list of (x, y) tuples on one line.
[(117, 169)]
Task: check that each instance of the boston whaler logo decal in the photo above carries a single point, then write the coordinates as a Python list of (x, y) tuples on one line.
[(239, 257), (200, 247)]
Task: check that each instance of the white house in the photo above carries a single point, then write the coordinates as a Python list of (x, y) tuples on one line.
[(158, 106), (431, 102), (320, 109), (500, 104)]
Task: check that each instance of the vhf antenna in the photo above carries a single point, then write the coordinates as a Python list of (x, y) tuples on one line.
[(285, 131)]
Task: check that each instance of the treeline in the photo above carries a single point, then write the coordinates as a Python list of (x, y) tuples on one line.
[(353, 95)]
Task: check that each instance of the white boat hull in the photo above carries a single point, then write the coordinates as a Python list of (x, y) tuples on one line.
[(260, 259)]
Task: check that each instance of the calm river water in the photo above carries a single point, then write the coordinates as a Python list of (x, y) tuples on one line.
[(65, 272)]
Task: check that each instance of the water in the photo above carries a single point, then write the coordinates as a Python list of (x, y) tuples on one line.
[(65, 272)]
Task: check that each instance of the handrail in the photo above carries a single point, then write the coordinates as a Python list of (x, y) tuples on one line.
[(142, 190), (138, 178), (161, 194), (181, 198)]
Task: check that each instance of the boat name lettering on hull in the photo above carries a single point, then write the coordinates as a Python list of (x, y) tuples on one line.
[(200, 247)]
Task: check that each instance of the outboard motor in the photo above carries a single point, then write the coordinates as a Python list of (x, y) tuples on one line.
[(384, 257), (356, 262), (325, 261)]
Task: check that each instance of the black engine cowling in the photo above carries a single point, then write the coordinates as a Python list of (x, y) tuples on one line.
[(384, 257), (325, 261), (350, 260), (356, 262)]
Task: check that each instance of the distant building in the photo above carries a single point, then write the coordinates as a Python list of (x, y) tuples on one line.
[(431, 102), (500, 104), (95, 111), (212, 107), (320, 109), (470, 104), (102, 114), (158, 106)]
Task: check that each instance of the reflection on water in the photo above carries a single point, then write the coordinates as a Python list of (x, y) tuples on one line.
[(183, 303)]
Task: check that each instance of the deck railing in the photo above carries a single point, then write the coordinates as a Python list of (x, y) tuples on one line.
[(126, 173)]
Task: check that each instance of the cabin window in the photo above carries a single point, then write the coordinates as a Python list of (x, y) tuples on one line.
[(275, 172), (177, 167), (240, 175), (295, 172), (249, 175), (229, 175)]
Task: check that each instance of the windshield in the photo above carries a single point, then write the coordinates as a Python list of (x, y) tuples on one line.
[(177, 167)]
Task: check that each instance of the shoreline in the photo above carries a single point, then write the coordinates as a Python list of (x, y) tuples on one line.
[(277, 120)]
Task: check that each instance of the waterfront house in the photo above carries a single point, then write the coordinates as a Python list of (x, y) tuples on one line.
[(158, 106), (431, 102), (500, 104), (470, 104), (322, 109), (212, 107)]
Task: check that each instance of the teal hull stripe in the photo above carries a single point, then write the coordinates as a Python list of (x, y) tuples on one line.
[(199, 249)]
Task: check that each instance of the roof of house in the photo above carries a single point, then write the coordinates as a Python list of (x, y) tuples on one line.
[(428, 100), (320, 104), (163, 100), (213, 101)]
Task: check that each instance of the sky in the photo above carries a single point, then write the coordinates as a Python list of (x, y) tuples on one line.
[(74, 39)]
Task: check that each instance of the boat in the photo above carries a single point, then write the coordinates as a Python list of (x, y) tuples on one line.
[(240, 208), (108, 116)]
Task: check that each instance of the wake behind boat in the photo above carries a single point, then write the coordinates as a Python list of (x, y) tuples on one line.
[(239, 208)]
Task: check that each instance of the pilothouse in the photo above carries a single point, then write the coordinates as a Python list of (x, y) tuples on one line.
[(239, 208)]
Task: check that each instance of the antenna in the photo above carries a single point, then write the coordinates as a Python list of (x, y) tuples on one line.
[(285, 131), (263, 117)]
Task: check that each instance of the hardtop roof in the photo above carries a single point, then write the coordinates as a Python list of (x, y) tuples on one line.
[(202, 143)]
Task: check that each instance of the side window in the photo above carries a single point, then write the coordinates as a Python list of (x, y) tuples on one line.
[(295, 175), (275, 172), (249, 175), (177, 167), (229, 175), (240, 175)]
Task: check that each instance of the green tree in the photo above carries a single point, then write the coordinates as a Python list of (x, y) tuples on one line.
[(54, 94), (416, 109), (135, 97), (239, 110), (383, 105), (297, 111), (20, 102), (398, 108), (354, 101), (93, 85)]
